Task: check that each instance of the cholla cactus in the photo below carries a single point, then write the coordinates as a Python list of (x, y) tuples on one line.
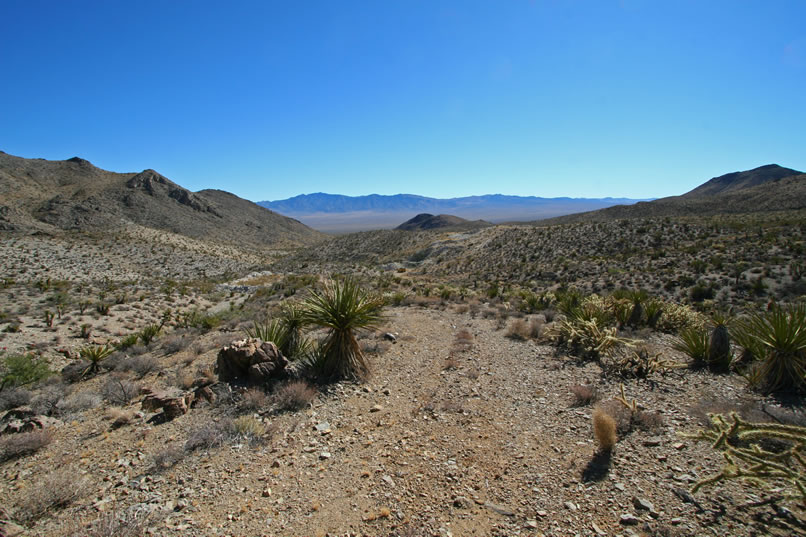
[(785, 470)]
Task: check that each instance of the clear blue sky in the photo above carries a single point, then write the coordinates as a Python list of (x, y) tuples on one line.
[(270, 99)]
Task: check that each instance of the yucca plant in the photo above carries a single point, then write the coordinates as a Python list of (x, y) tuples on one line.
[(149, 332), (694, 342), (272, 330), (780, 338), (293, 321), (95, 354), (343, 307)]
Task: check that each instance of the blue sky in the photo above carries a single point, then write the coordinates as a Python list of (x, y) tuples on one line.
[(270, 99)]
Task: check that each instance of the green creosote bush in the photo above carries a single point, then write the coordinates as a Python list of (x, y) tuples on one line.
[(22, 370)]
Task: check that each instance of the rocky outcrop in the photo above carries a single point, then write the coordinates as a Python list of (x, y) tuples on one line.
[(172, 402), (24, 420), (251, 359)]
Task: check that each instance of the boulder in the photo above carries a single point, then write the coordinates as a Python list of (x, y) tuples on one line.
[(24, 420), (250, 359), (172, 402)]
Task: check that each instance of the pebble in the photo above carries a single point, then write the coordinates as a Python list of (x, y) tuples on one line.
[(501, 510), (627, 519), (376, 408), (641, 503), (324, 455)]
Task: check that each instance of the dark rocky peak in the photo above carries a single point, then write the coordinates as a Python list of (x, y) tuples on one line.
[(81, 162)]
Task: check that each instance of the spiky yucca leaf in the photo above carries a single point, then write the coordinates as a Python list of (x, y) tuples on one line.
[(781, 337), (95, 354), (343, 307), (694, 342)]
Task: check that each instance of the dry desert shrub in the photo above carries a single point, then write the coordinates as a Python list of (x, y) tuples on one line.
[(79, 401), (210, 435), (294, 395), (521, 329), (584, 394), (167, 458), (604, 430), (131, 523), (22, 444), (253, 399), (120, 391), (14, 397), (55, 491)]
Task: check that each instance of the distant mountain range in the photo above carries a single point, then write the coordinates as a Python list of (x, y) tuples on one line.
[(52, 195), (766, 188), (338, 213)]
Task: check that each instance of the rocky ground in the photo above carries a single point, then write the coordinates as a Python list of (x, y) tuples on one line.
[(460, 430)]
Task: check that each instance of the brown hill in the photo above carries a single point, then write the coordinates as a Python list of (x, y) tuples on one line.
[(43, 195), (763, 189), (426, 221)]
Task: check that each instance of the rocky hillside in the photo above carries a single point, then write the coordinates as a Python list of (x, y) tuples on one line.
[(429, 221), (42, 195), (763, 189)]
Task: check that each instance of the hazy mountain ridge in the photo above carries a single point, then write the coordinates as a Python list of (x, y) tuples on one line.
[(73, 194), (335, 212), (336, 203)]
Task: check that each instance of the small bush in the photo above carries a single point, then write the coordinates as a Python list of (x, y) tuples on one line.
[(294, 395), (132, 523), (46, 401), (167, 458), (78, 402), (22, 444), (253, 399), (14, 397), (22, 370), (120, 391), (210, 435), (584, 395), (604, 430), (519, 329), (55, 491), (140, 365)]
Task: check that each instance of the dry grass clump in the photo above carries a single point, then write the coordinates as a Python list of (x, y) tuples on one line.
[(22, 444), (55, 491), (294, 395), (249, 428), (604, 430), (119, 416)]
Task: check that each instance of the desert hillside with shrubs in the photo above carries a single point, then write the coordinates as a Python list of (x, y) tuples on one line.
[(635, 376)]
